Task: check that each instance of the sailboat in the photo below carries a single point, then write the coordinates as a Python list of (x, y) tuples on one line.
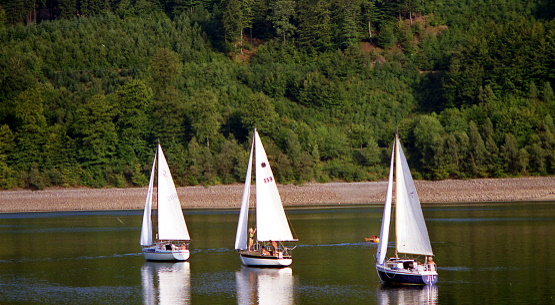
[(410, 229), (172, 240), (272, 227)]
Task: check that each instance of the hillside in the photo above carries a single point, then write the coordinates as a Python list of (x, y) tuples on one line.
[(88, 87)]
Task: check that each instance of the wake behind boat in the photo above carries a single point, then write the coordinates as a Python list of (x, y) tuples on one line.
[(410, 228), (272, 227), (172, 240)]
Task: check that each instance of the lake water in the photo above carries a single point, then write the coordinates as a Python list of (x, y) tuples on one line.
[(486, 253)]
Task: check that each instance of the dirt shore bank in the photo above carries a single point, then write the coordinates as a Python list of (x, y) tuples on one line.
[(310, 194)]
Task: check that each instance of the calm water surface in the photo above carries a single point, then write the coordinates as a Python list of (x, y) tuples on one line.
[(487, 254)]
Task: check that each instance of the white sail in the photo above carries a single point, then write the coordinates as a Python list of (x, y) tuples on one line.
[(410, 228), (271, 221), (386, 219), (171, 223), (146, 231), (242, 226)]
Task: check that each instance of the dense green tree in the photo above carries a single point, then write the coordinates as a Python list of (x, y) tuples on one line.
[(231, 162), (3, 20), (238, 16), (510, 154), (202, 168), (428, 134), (259, 111), (317, 90), (204, 115), (477, 150), (347, 18), (282, 15), (94, 123), (7, 146), (314, 29), (547, 94), (164, 70), (133, 103), (31, 130)]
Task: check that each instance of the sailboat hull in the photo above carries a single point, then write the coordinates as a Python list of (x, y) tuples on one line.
[(406, 277), (155, 254), (253, 260)]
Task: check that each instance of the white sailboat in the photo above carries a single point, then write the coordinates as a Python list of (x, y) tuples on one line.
[(410, 230), (272, 227), (172, 240)]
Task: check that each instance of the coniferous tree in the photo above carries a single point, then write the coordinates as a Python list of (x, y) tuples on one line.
[(282, 15), (314, 28), (204, 116)]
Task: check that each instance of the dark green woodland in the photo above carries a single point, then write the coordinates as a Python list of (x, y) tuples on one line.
[(89, 87)]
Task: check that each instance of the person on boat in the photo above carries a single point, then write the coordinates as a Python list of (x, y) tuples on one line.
[(431, 264), (264, 251), (251, 238), (275, 246)]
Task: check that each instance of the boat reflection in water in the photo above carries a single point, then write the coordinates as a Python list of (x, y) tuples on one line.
[(166, 283), (264, 286), (407, 294)]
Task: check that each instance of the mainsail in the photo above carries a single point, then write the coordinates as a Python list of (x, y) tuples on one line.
[(171, 223), (410, 228), (271, 221)]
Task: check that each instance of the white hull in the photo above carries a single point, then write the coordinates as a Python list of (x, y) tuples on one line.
[(165, 255), (265, 261)]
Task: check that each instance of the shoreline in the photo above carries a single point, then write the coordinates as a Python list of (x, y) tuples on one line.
[(308, 195)]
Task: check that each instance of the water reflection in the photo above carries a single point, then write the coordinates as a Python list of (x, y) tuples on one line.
[(166, 283), (264, 286), (407, 294)]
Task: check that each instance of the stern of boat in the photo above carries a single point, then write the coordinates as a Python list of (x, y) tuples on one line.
[(156, 254), (400, 276), (254, 259)]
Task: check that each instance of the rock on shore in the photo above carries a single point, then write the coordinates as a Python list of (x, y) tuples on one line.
[(310, 194)]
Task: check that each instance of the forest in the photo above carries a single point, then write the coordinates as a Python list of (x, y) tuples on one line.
[(89, 87)]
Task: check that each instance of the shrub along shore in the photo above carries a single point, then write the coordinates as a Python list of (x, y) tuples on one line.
[(310, 194)]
